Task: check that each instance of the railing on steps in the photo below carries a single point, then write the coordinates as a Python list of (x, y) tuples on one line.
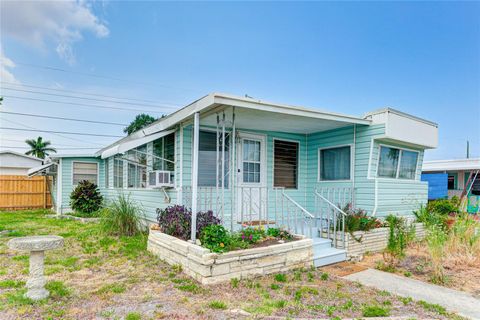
[(331, 219), (253, 206)]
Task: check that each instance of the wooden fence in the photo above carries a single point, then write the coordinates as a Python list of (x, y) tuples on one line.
[(21, 192)]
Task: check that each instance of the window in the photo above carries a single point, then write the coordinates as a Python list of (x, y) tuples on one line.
[(285, 164), (251, 161), (207, 159), (164, 148), (451, 182), (84, 171), (107, 178), (137, 167), (118, 173), (397, 163), (335, 163)]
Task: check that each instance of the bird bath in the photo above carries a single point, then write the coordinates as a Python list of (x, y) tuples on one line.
[(36, 245)]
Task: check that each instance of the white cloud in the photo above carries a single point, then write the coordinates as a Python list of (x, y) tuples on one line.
[(5, 65), (40, 23)]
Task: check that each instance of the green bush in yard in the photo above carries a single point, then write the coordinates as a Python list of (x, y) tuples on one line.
[(400, 234), (86, 197), (215, 237)]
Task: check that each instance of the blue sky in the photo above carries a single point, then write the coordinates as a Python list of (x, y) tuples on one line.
[(419, 57)]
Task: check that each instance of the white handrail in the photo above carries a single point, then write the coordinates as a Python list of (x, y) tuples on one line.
[(299, 206), (330, 203)]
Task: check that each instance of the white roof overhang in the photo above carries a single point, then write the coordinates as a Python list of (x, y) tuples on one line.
[(451, 165), (40, 169), (129, 144)]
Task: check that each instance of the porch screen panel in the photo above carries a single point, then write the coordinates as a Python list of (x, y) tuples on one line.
[(388, 163), (285, 166), (408, 164), (118, 173), (164, 148), (207, 159), (335, 163)]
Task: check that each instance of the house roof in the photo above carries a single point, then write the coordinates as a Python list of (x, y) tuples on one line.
[(451, 165), (213, 101), (400, 113), (20, 155)]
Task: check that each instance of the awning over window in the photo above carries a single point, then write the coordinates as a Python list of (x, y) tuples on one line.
[(131, 144), (40, 170)]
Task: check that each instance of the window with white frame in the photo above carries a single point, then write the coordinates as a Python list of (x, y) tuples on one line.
[(137, 167), (84, 171), (397, 163), (334, 163), (117, 173)]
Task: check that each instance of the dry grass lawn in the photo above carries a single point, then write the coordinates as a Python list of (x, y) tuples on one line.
[(101, 277)]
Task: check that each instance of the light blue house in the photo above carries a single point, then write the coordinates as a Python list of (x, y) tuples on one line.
[(255, 162)]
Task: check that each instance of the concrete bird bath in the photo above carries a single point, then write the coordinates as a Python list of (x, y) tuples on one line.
[(37, 245)]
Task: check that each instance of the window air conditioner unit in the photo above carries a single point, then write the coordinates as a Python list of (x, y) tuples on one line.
[(160, 179)]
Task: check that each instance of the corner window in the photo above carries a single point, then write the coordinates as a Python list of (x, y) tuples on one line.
[(84, 171), (397, 163), (334, 163), (137, 167), (285, 164), (164, 153)]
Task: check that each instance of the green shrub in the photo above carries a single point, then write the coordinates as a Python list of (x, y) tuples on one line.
[(324, 276), (252, 235), (215, 238), (280, 277), (398, 238), (86, 197), (375, 311), (430, 218), (123, 217), (357, 220), (444, 206)]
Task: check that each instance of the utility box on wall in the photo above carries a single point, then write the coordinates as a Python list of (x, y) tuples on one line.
[(437, 185)]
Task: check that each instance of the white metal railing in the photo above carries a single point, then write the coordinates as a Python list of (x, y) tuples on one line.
[(330, 217), (253, 206)]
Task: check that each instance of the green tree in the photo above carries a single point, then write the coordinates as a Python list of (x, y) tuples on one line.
[(39, 148), (141, 121)]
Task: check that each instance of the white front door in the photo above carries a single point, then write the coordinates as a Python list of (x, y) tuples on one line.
[(251, 177)]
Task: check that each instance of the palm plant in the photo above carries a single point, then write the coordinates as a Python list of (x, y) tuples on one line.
[(39, 148)]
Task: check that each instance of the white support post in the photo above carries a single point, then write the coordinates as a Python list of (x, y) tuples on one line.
[(196, 138), (223, 168), (233, 170)]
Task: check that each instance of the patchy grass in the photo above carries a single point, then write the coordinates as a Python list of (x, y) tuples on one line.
[(97, 275), (375, 311)]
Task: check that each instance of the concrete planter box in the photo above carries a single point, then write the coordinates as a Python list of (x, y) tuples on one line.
[(208, 268), (371, 241)]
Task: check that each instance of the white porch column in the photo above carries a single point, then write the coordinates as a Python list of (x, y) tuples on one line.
[(196, 136)]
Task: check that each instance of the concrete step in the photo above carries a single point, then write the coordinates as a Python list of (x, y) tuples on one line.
[(321, 243), (328, 256)]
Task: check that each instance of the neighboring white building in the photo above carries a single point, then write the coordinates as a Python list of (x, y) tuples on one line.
[(15, 163)]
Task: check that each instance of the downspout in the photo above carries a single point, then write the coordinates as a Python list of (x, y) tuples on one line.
[(353, 163), (196, 138), (59, 187)]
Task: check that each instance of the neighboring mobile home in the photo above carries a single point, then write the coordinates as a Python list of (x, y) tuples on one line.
[(17, 164), (255, 162), (456, 177)]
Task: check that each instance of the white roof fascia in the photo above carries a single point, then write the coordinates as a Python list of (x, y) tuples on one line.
[(407, 115), (58, 156), (36, 170), (122, 147)]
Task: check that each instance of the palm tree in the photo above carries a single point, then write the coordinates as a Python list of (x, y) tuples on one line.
[(39, 148)]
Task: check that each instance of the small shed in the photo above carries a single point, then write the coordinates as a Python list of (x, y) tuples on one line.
[(17, 164)]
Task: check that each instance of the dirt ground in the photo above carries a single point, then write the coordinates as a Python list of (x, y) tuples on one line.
[(416, 265), (102, 277)]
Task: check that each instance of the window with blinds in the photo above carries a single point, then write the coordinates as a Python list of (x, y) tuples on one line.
[(84, 171), (285, 166)]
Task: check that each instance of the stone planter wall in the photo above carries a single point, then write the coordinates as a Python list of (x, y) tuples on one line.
[(372, 241), (207, 267)]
